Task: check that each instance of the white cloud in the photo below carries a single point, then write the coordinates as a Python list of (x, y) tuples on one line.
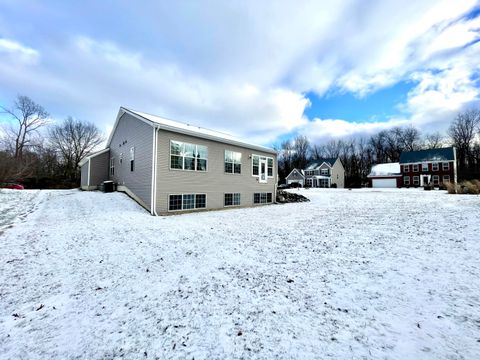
[(17, 52)]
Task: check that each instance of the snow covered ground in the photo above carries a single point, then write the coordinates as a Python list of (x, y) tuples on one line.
[(352, 274)]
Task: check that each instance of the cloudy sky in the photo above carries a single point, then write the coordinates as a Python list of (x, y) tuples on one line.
[(262, 70)]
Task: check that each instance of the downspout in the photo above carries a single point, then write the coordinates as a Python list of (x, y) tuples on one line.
[(155, 155), (152, 201), (455, 167), (88, 176)]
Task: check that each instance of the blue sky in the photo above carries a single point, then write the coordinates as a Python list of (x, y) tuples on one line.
[(260, 70)]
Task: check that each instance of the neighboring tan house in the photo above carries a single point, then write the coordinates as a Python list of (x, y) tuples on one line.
[(167, 166), (325, 173), (428, 167), (385, 176), (295, 177)]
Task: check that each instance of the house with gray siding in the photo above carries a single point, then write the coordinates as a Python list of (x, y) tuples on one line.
[(295, 177), (328, 172), (170, 167)]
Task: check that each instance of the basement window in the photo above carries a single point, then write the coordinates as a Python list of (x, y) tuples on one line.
[(232, 199), (262, 198), (187, 202)]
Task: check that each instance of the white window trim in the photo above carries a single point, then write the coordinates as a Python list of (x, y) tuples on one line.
[(446, 176), (415, 166), (417, 182), (435, 164), (273, 166), (233, 163), (423, 167), (406, 182), (112, 166), (194, 202), (260, 203), (233, 205), (183, 157), (406, 168), (438, 179), (445, 168)]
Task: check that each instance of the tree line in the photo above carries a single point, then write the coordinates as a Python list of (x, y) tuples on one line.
[(359, 154), (40, 153)]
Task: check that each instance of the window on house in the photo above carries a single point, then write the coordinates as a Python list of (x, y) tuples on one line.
[(308, 182), (262, 198), (120, 160), (406, 180), (132, 158), (232, 199), (187, 201), (323, 171), (233, 162), (445, 166), (406, 168), (185, 156), (424, 167), (269, 167), (255, 165), (434, 166), (446, 178), (112, 166), (415, 168), (435, 179), (416, 180)]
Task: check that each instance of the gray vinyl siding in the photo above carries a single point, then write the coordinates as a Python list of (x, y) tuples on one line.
[(132, 132), (295, 176), (99, 168), (84, 175), (214, 182)]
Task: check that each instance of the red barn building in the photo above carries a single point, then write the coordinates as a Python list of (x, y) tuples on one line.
[(428, 167)]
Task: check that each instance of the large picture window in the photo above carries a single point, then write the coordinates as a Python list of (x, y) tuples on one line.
[(185, 156), (256, 162), (232, 199), (187, 202), (233, 162)]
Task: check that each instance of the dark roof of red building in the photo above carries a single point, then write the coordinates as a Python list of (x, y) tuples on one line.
[(441, 154)]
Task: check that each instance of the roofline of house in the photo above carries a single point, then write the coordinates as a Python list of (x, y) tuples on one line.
[(299, 171), (174, 129), (88, 157)]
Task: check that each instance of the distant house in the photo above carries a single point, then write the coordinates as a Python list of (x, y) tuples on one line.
[(295, 177), (167, 166), (386, 175), (431, 166), (325, 173)]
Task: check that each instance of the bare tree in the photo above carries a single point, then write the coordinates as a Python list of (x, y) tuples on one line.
[(462, 132), (301, 148), (29, 118), (74, 139), (434, 141)]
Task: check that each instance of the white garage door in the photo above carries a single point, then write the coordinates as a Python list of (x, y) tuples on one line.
[(384, 183)]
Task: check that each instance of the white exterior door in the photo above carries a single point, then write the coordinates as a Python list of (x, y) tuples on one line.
[(262, 170)]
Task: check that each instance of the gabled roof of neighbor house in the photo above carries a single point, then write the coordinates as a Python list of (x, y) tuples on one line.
[(298, 172), (187, 129), (317, 163), (441, 154), (385, 170)]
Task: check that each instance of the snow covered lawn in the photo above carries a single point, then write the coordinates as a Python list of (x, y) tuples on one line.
[(352, 274)]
